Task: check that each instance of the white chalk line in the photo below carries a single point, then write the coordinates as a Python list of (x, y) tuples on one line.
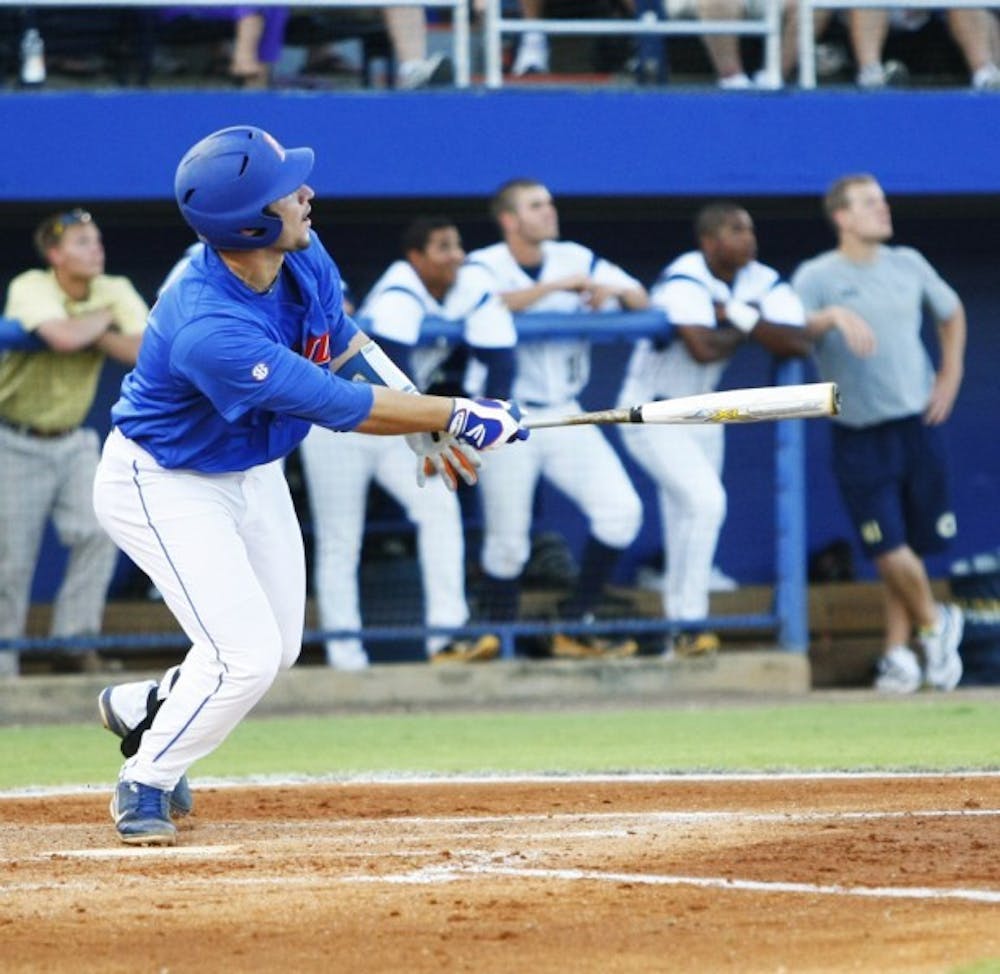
[(436, 875), (403, 778), (451, 874)]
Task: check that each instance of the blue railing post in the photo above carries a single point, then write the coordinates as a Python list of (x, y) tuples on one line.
[(790, 591)]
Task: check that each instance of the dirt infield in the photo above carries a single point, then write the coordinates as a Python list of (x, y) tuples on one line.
[(593, 875)]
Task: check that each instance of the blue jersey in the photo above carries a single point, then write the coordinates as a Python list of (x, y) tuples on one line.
[(228, 378)]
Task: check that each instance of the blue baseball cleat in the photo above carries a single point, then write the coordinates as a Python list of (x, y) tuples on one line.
[(142, 814), (181, 799)]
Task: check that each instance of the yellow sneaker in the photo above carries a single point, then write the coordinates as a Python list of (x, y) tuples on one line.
[(690, 644), (469, 650), (591, 647)]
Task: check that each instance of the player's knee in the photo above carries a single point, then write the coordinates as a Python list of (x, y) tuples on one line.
[(711, 503), (617, 525), (505, 556)]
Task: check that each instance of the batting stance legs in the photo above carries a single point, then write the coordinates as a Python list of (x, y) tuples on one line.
[(225, 551), (581, 464), (685, 464)]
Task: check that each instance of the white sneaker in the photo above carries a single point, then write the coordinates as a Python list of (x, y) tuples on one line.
[(350, 657), (986, 78), (431, 72), (719, 581), (898, 671), (944, 665), (532, 56), (735, 82)]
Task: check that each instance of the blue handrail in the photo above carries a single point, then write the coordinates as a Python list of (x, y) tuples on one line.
[(789, 618)]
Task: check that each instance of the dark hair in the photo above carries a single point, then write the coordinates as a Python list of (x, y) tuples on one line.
[(503, 198), (418, 233), (836, 196), (50, 231), (711, 218)]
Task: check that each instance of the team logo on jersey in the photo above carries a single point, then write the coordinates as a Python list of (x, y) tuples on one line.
[(260, 371), (947, 526), (318, 348), (274, 144), (871, 533)]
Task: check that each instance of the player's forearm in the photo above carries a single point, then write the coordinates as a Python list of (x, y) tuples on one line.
[(524, 298), (634, 299), (952, 338), (75, 333), (122, 348), (394, 412), (788, 341)]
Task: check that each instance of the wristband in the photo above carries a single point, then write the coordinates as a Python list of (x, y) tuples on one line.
[(370, 364), (742, 315)]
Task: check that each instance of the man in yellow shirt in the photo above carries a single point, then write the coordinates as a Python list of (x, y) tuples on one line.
[(47, 461)]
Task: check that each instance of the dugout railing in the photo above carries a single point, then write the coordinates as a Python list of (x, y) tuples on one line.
[(649, 24), (786, 621)]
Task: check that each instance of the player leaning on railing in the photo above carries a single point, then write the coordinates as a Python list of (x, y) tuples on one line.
[(246, 348)]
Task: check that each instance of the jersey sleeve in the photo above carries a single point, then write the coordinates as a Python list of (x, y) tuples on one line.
[(611, 275), (685, 301), (939, 296), (238, 369), (32, 300), (129, 311), (781, 306), (396, 314)]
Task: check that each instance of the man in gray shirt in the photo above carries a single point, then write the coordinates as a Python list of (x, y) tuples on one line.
[(864, 304)]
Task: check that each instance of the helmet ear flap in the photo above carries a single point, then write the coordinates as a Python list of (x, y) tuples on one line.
[(225, 183)]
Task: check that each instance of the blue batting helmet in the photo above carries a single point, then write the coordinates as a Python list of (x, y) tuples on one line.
[(225, 181)]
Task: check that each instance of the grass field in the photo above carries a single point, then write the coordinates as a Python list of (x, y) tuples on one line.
[(927, 733)]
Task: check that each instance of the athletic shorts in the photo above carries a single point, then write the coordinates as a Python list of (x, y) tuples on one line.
[(893, 478)]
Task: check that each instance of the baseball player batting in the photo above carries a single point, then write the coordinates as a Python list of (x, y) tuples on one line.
[(246, 349), (535, 271)]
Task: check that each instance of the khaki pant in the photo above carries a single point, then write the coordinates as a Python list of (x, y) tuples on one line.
[(43, 479)]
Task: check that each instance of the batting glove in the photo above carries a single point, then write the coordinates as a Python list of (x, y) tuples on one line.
[(441, 453), (486, 423)]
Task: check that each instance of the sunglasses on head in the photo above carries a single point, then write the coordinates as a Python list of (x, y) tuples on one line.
[(69, 219)]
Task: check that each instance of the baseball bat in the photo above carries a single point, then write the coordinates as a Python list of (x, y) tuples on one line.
[(733, 406)]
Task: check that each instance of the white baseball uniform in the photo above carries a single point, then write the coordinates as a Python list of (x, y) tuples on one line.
[(686, 461), (339, 467), (549, 376)]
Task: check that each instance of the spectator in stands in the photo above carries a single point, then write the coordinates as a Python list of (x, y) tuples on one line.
[(407, 29), (717, 298), (47, 459), (339, 467), (258, 38), (533, 48), (971, 30), (864, 303), (535, 271)]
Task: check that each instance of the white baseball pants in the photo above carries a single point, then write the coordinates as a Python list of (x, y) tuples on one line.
[(579, 462), (339, 469), (225, 551), (685, 462)]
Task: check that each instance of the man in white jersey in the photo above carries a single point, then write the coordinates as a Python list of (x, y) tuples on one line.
[(339, 468), (865, 303), (717, 298), (534, 271)]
